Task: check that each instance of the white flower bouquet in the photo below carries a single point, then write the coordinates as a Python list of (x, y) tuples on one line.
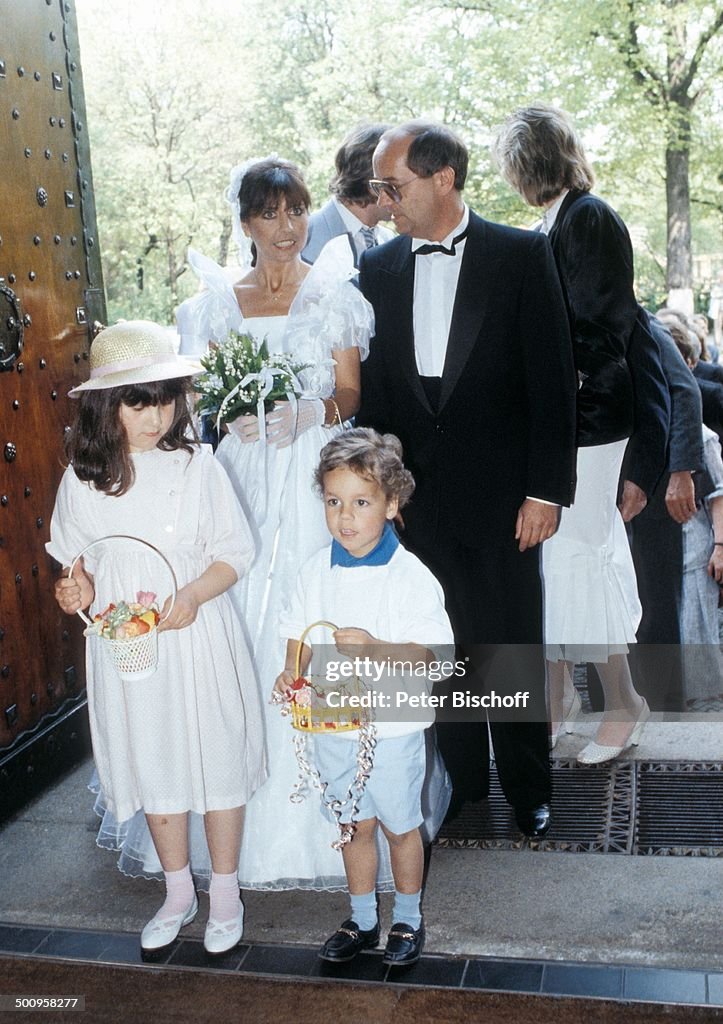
[(240, 378)]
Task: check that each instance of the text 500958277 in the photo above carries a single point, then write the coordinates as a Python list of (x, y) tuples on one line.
[(31, 1002)]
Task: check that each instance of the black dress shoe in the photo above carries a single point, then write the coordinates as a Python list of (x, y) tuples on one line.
[(404, 945), (534, 822), (347, 941)]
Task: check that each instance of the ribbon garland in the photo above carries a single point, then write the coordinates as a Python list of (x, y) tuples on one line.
[(265, 378)]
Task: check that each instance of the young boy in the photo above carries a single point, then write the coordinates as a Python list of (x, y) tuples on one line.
[(390, 609)]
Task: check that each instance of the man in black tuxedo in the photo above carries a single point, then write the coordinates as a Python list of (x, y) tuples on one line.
[(471, 367)]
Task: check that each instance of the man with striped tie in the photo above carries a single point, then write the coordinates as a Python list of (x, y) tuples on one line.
[(352, 209)]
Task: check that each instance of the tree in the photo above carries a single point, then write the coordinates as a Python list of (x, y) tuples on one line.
[(672, 53)]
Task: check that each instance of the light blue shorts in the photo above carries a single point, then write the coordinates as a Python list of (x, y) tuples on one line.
[(393, 791)]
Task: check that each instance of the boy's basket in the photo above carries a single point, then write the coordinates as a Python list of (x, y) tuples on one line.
[(136, 657), (310, 709)]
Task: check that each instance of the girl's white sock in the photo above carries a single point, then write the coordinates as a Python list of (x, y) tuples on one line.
[(179, 893), (224, 897)]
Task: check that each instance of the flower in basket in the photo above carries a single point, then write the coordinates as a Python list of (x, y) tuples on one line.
[(126, 620), (302, 695), (240, 377)]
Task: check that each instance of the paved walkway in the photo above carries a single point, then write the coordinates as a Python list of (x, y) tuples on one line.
[(604, 908)]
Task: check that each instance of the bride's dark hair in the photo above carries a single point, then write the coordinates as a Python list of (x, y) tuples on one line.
[(97, 445), (267, 181)]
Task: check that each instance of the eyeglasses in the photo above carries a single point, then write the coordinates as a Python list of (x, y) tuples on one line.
[(381, 187)]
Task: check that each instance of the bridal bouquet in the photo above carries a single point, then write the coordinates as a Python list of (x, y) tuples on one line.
[(240, 377)]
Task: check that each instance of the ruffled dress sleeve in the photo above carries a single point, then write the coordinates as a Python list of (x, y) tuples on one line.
[(329, 314), (211, 313)]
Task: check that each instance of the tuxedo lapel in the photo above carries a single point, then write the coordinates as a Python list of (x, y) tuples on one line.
[(469, 308), (399, 287)]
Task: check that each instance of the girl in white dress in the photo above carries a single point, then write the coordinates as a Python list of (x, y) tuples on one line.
[(189, 738)]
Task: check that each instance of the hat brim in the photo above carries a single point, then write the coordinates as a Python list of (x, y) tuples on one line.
[(182, 367)]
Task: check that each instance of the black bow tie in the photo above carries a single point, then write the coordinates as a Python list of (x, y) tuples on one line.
[(425, 250)]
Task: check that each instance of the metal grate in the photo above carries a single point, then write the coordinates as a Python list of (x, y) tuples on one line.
[(663, 808), (679, 809)]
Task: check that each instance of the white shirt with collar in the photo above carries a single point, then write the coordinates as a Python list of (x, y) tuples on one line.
[(435, 287), (354, 226), (550, 215)]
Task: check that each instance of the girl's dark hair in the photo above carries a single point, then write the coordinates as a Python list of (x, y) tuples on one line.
[(97, 445), (265, 183)]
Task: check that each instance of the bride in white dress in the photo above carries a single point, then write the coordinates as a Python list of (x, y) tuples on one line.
[(324, 321)]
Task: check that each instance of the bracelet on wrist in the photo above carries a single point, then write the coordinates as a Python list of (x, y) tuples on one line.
[(718, 543), (337, 415)]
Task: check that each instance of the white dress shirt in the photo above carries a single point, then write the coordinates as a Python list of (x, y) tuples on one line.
[(435, 287), (354, 226), (550, 215)]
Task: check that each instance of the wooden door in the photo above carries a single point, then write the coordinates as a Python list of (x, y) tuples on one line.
[(51, 292)]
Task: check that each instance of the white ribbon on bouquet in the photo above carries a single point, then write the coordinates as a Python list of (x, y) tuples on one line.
[(265, 378)]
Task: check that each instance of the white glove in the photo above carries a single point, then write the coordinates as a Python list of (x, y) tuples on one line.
[(246, 428), (284, 424)]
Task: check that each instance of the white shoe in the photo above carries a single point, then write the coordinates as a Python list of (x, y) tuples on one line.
[(568, 720), (224, 935), (161, 931), (594, 753)]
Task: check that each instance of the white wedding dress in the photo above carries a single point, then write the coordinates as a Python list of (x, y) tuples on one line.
[(285, 845)]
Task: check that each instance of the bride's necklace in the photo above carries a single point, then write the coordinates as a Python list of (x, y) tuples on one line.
[(276, 293)]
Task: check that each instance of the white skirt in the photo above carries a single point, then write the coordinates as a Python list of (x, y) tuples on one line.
[(591, 604)]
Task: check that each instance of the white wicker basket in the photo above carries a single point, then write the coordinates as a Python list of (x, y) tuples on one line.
[(136, 657)]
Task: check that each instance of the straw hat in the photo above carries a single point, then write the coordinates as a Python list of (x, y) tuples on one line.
[(133, 352)]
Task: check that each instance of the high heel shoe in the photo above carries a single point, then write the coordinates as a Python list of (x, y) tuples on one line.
[(594, 753), (568, 719)]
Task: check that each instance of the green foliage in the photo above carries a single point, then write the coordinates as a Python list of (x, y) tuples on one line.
[(181, 91)]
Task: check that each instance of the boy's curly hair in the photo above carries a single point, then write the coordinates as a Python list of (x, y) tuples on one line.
[(371, 455)]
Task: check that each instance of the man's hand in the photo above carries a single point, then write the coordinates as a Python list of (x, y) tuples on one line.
[(680, 496), (536, 521), (632, 502)]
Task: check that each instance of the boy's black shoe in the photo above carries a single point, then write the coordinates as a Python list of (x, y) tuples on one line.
[(404, 945), (347, 941)]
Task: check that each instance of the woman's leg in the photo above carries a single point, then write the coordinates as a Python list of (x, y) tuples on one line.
[(623, 704), (560, 694)]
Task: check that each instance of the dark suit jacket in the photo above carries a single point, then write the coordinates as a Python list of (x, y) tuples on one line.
[(709, 371), (647, 453), (595, 259), (712, 395), (505, 426)]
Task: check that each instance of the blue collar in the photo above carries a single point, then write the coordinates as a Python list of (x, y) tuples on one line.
[(379, 555)]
